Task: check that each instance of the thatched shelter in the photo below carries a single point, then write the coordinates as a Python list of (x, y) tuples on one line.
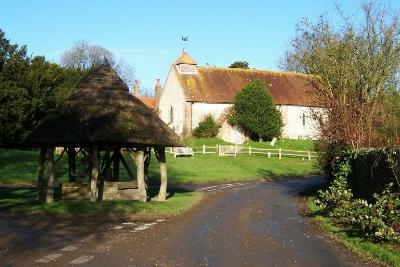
[(99, 119)]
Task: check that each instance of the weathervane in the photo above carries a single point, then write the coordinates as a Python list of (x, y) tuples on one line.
[(185, 40)]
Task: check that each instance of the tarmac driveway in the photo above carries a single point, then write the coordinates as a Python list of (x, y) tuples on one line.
[(241, 224)]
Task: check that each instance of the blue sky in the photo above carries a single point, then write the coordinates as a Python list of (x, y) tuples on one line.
[(148, 33)]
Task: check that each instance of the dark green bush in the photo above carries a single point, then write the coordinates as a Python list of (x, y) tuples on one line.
[(364, 192), (368, 171), (207, 128)]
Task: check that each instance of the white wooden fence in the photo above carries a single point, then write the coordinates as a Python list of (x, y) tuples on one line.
[(234, 150)]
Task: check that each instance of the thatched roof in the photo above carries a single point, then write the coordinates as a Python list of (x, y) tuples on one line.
[(220, 85), (101, 110)]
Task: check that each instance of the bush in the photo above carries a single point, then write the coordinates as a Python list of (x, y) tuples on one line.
[(355, 196), (378, 221), (255, 113), (207, 128)]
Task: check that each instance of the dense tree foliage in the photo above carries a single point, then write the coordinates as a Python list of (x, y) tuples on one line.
[(29, 88), (255, 113), (84, 56), (357, 63), (207, 128), (239, 64)]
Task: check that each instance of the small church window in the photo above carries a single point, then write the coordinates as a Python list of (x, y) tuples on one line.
[(304, 119), (171, 115)]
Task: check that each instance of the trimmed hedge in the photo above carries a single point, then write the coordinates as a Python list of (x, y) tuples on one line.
[(369, 171)]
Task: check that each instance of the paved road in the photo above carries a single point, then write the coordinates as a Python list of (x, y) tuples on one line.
[(244, 224)]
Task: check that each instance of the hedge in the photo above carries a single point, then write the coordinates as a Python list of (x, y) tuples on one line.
[(370, 170)]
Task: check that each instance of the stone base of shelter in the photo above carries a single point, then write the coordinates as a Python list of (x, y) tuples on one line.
[(106, 191)]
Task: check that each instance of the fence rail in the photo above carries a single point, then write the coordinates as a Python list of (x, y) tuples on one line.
[(234, 150)]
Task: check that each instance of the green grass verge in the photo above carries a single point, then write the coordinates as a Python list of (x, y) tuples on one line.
[(386, 253), (24, 201), (19, 167)]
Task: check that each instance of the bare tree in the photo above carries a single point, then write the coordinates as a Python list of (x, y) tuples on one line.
[(77, 56), (84, 56), (358, 66)]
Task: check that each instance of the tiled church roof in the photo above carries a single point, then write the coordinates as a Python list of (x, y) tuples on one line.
[(149, 101), (220, 85)]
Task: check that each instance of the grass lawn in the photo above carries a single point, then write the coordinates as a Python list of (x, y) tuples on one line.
[(198, 142), (286, 144), (24, 200), (387, 253), (289, 144), (19, 167)]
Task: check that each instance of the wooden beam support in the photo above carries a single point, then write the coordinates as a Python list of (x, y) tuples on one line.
[(147, 158), (128, 170), (162, 194), (95, 173), (40, 175), (71, 163), (51, 173), (140, 174), (116, 161)]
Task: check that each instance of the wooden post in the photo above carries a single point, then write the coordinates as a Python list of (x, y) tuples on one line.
[(95, 173), (309, 155), (116, 158), (40, 175), (50, 179), (280, 153), (204, 149), (162, 194), (218, 152), (249, 150), (71, 163), (140, 174), (235, 150)]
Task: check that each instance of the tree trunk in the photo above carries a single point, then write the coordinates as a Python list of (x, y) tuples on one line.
[(95, 173), (162, 194), (140, 175), (116, 161), (71, 164), (51, 178), (260, 138), (40, 175)]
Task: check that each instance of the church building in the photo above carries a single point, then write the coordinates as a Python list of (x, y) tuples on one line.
[(191, 92)]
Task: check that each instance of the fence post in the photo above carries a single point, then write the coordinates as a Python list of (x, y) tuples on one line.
[(204, 149), (218, 150), (235, 150), (249, 150), (309, 155), (269, 154), (280, 153), (170, 150)]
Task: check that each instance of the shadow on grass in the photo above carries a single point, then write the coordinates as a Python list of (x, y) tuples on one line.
[(23, 201)]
